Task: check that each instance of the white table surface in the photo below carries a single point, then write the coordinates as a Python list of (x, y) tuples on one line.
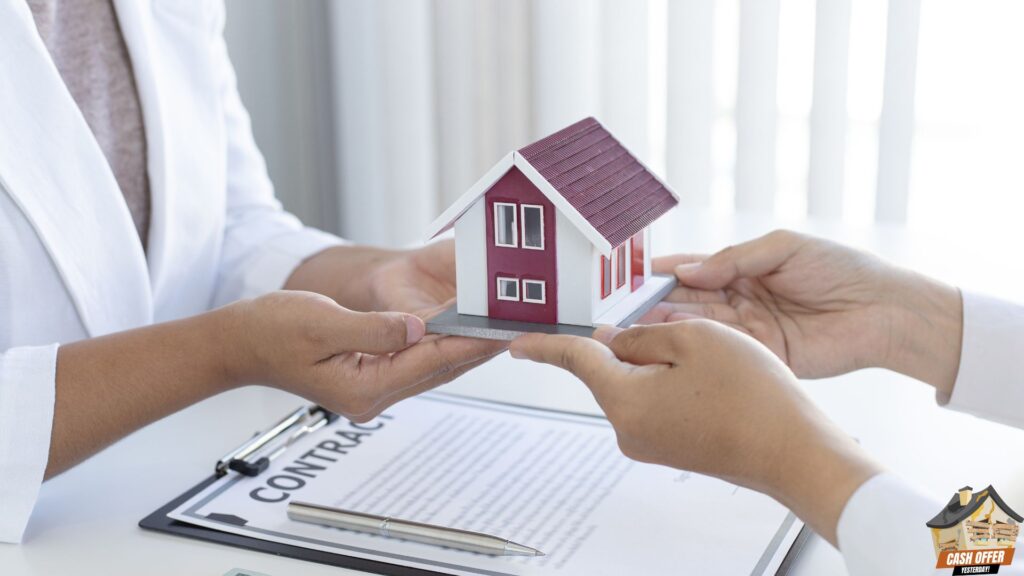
[(86, 520)]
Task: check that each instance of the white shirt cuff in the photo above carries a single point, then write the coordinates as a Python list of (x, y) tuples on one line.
[(882, 528), (27, 391), (279, 258), (989, 384)]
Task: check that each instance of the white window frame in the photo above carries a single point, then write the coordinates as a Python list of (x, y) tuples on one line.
[(514, 282), (543, 291), (515, 225), (522, 219), (613, 260)]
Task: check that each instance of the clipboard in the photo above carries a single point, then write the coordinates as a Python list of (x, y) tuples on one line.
[(253, 462), (159, 522)]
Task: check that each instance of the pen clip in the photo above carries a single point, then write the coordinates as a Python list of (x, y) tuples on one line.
[(249, 458)]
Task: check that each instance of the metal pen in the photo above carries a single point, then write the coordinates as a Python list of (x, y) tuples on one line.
[(407, 530), (254, 456)]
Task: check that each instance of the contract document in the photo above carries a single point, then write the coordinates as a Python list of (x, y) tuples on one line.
[(552, 480)]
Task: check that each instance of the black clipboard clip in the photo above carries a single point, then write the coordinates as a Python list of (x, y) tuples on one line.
[(255, 455)]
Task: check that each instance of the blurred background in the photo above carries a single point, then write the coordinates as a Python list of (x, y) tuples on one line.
[(374, 115)]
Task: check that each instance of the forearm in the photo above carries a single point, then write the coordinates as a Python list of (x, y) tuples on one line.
[(928, 317), (817, 473), (341, 273), (822, 467), (110, 386)]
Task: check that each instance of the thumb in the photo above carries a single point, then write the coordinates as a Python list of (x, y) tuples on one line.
[(642, 345), (757, 257), (587, 359), (667, 264), (377, 332)]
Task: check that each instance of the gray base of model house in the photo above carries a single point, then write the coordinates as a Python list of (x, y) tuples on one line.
[(452, 323)]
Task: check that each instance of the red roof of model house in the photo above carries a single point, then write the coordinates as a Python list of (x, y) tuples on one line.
[(614, 192), (590, 176)]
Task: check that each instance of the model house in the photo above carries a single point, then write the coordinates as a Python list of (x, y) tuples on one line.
[(975, 521), (558, 232)]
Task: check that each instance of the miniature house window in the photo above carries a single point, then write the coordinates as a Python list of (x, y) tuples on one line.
[(620, 278), (606, 277), (533, 227), (534, 291), (508, 289), (505, 228)]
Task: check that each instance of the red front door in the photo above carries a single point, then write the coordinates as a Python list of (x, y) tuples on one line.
[(521, 261)]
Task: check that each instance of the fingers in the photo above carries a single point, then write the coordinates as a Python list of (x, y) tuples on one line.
[(683, 316), (712, 311), (751, 259), (430, 311), (437, 358), (375, 382), (657, 315), (667, 264), (686, 294), (371, 332), (588, 359), (643, 345), (421, 387), (665, 312)]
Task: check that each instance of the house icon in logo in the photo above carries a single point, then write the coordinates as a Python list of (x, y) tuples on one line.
[(975, 521)]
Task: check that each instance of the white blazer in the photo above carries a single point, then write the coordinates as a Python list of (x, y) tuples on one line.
[(71, 264)]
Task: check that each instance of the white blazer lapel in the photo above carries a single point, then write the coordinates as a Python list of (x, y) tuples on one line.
[(169, 43), (133, 17), (55, 171)]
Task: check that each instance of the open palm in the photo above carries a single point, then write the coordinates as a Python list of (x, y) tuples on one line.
[(822, 307), (420, 281)]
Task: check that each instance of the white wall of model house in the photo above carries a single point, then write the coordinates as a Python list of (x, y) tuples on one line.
[(574, 280), (471, 260)]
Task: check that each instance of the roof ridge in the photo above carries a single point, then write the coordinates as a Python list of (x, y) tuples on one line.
[(1002, 504), (956, 515), (560, 137), (583, 168), (605, 153), (594, 145)]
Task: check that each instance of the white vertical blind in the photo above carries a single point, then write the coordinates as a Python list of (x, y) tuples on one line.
[(865, 75), (285, 80), (514, 79), (828, 110), (465, 93), (690, 99), (422, 97), (896, 126), (794, 97), (623, 73), (756, 114), (482, 86), (565, 48), (385, 119)]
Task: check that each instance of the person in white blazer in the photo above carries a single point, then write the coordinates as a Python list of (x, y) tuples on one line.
[(99, 337), (719, 363)]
